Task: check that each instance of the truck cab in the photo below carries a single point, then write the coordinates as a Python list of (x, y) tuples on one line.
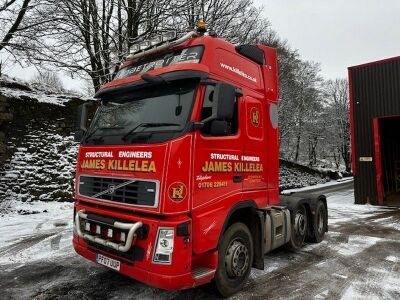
[(177, 174)]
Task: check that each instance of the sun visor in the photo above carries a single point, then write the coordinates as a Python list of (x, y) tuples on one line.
[(167, 77)]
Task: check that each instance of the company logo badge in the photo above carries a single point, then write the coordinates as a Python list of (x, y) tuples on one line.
[(255, 117), (177, 191)]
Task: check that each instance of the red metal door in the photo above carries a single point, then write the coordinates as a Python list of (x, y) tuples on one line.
[(378, 162)]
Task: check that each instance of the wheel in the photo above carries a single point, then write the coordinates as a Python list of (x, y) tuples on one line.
[(321, 223), (235, 258), (299, 228)]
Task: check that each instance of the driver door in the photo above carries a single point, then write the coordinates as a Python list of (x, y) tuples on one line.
[(217, 175)]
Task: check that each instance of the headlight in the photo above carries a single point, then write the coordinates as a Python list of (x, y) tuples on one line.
[(164, 245)]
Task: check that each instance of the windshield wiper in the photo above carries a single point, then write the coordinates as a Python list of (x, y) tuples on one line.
[(102, 128), (147, 125)]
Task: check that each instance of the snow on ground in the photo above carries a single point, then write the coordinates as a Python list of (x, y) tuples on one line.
[(36, 231), (359, 259)]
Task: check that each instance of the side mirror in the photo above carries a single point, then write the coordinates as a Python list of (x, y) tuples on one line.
[(80, 121), (224, 101)]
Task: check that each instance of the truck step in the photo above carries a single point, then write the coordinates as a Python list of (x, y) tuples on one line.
[(202, 272)]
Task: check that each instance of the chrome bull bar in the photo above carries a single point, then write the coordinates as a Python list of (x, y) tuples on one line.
[(131, 236)]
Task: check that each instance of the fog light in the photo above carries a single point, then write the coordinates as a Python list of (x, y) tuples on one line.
[(165, 245), (123, 237)]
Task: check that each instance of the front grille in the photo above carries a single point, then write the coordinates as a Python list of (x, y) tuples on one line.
[(126, 191)]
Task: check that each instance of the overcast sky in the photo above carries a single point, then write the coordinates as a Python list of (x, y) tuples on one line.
[(336, 33)]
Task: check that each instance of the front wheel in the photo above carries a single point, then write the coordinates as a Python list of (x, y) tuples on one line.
[(235, 258)]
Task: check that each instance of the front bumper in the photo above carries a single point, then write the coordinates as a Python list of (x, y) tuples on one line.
[(166, 282), (138, 263)]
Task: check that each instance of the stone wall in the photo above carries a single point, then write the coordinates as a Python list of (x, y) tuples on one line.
[(37, 149), (5, 118)]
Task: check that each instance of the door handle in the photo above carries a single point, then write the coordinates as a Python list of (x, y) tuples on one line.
[(237, 178)]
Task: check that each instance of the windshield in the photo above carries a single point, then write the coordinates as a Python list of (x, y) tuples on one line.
[(149, 115)]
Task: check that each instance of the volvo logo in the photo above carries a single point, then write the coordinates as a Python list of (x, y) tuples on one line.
[(111, 189)]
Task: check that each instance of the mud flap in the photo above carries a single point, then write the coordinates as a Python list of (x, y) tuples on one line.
[(258, 261)]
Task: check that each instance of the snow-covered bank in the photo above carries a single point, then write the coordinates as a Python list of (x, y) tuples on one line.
[(318, 186), (293, 176), (20, 90)]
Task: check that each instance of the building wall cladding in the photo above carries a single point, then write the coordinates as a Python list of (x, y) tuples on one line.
[(375, 92)]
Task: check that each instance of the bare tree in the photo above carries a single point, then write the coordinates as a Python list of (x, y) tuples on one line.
[(338, 110), (18, 18), (238, 21), (91, 37), (12, 12), (48, 81)]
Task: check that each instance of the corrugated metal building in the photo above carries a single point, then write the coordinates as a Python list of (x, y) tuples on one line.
[(375, 131)]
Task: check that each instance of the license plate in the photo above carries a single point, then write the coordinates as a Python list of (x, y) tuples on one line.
[(108, 262)]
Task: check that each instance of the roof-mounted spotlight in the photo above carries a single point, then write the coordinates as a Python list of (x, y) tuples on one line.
[(144, 45), (156, 40), (169, 36), (135, 48)]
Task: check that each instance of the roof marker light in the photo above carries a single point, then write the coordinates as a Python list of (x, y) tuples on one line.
[(201, 24)]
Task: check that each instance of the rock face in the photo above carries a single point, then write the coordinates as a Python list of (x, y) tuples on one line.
[(5, 118), (37, 151)]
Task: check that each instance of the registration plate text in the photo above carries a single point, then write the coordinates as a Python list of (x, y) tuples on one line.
[(108, 262)]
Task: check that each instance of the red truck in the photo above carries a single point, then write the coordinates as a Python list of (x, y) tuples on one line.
[(177, 174)]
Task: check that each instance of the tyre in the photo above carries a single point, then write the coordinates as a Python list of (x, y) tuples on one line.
[(320, 224), (299, 228), (235, 258)]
